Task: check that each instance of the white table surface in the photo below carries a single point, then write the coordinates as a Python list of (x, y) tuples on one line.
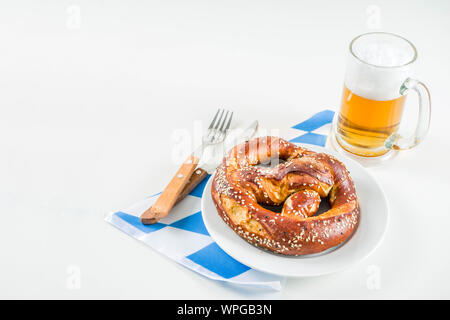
[(89, 107)]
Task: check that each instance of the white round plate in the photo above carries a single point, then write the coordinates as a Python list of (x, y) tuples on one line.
[(370, 232)]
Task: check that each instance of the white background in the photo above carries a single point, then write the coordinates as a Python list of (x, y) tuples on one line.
[(89, 104)]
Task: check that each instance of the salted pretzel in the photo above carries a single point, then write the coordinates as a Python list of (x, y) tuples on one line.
[(242, 187)]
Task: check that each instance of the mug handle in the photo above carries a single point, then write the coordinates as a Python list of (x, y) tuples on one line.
[(395, 140)]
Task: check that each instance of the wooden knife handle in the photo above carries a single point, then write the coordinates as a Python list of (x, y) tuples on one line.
[(168, 197), (198, 176)]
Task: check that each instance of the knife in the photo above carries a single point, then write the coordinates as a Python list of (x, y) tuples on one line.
[(206, 167)]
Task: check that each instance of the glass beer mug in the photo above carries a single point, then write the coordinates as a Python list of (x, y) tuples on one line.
[(377, 80)]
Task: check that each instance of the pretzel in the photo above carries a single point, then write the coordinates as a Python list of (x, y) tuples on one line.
[(241, 189)]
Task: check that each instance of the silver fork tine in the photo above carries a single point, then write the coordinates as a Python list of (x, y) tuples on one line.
[(214, 119), (219, 134), (219, 120), (218, 128), (229, 122), (224, 121)]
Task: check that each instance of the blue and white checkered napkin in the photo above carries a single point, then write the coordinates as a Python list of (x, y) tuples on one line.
[(183, 237)]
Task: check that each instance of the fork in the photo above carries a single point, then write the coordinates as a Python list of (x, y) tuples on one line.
[(215, 134)]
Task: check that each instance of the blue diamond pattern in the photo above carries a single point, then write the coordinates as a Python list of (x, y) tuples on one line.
[(311, 138), (193, 223), (198, 190), (316, 121), (216, 260)]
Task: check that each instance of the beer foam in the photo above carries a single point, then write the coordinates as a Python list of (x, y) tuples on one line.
[(379, 66), (382, 53)]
